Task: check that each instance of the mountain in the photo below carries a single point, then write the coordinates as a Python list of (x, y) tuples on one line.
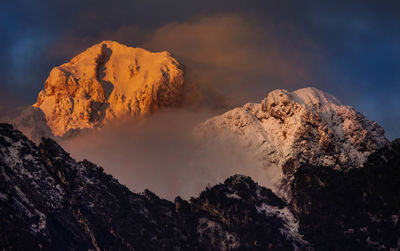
[(52, 202), (108, 82), (290, 129)]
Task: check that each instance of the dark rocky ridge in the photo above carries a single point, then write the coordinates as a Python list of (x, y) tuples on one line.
[(354, 210), (49, 201)]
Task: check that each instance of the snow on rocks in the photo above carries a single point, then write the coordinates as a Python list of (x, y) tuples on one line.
[(290, 224), (217, 235), (25, 181), (287, 129)]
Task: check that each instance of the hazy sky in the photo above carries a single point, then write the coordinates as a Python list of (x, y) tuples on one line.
[(236, 49)]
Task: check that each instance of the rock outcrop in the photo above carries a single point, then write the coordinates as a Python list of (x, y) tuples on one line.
[(289, 129), (108, 82)]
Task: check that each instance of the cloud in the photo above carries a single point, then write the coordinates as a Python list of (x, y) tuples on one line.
[(237, 56), (160, 154)]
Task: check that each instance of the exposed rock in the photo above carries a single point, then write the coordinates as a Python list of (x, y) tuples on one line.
[(52, 202), (109, 82), (289, 129), (357, 210), (240, 210)]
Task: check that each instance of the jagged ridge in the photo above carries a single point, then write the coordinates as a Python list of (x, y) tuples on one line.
[(53, 202), (288, 129)]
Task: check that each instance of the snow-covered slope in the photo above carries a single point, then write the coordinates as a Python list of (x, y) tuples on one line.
[(306, 126), (106, 82)]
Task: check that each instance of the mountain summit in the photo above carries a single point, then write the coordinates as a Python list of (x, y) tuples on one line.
[(307, 126), (109, 81)]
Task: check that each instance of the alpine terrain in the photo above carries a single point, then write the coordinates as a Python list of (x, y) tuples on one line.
[(107, 82), (289, 129)]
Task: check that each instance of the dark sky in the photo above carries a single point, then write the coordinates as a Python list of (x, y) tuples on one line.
[(241, 49)]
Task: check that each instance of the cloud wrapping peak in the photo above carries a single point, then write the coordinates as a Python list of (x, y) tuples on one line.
[(161, 154)]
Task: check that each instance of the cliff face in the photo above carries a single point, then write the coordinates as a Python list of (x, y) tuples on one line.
[(108, 82), (288, 129)]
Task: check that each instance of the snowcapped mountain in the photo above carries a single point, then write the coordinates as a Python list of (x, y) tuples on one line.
[(107, 82), (289, 129)]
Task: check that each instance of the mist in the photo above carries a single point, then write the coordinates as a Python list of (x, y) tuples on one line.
[(238, 56), (160, 153)]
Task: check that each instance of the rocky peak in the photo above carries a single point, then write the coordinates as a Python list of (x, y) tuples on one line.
[(109, 81), (306, 126), (282, 103)]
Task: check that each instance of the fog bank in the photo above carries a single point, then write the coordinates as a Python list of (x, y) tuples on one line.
[(161, 154)]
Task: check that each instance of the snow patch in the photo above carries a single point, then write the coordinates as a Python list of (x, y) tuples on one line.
[(233, 196), (290, 224)]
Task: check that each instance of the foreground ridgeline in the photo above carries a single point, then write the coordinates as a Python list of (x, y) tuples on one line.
[(106, 82), (50, 201)]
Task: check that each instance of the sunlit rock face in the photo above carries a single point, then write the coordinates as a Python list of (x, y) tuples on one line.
[(307, 126), (106, 82)]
